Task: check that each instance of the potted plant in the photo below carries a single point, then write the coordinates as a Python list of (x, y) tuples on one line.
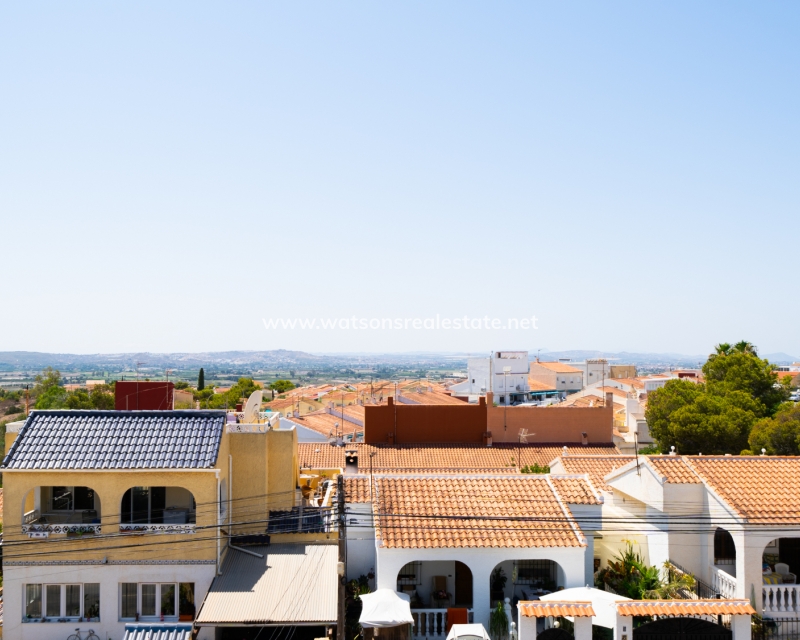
[(497, 584), (498, 622)]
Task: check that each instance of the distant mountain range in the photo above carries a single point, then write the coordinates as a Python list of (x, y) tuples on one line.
[(627, 357), (13, 360), (35, 360)]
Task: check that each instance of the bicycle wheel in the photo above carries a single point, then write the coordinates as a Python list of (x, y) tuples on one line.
[(92, 636), (74, 636)]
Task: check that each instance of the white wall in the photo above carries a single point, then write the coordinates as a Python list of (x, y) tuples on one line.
[(481, 562), (109, 576), (360, 540)]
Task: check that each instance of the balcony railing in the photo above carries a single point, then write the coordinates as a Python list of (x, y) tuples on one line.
[(431, 623), (60, 528), (781, 600), (157, 528), (723, 582)]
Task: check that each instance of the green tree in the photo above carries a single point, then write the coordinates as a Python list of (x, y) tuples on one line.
[(201, 380), (78, 399), (282, 386), (779, 435), (717, 416), (745, 371), (181, 384), (48, 391), (102, 397)]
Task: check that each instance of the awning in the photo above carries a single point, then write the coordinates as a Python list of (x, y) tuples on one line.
[(686, 608), (468, 631), (385, 608), (293, 584), (541, 609), (603, 603), (158, 632)]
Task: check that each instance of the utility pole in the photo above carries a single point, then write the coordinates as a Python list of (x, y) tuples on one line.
[(341, 567), (27, 401)]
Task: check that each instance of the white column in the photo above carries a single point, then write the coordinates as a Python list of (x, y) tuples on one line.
[(583, 628), (527, 627), (623, 628), (741, 627), (481, 596)]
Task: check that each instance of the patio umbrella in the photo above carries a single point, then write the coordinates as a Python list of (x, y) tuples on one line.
[(385, 608)]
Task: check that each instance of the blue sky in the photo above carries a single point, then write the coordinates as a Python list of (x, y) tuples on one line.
[(173, 173)]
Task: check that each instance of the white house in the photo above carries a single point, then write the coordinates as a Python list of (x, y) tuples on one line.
[(505, 374), (732, 521), (469, 541)]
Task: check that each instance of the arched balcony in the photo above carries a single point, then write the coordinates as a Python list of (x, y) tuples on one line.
[(158, 510), (61, 510)]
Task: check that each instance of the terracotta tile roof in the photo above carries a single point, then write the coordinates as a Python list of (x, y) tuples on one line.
[(633, 382), (542, 609), (446, 458), (535, 385), (762, 489), (459, 512), (674, 469), (356, 489), (320, 455), (685, 608), (428, 397), (574, 490), (597, 467), (323, 422), (557, 367), (590, 400)]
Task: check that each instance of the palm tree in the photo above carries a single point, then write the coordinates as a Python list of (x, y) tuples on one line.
[(745, 347), (723, 349)]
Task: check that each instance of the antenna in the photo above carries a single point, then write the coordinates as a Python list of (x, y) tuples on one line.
[(252, 407)]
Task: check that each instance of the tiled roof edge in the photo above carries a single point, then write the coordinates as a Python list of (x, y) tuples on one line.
[(567, 513), (28, 421)]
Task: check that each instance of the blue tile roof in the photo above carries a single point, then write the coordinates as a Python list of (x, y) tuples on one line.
[(117, 440)]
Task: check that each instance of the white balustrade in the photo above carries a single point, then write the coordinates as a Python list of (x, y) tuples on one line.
[(724, 583), (430, 623), (781, 600)]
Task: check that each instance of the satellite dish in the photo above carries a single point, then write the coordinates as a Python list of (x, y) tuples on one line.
[(252, 407)]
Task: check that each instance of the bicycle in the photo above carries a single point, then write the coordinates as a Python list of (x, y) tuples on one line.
[(77, 635)]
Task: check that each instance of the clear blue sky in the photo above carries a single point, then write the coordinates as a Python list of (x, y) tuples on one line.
[(174, 172)]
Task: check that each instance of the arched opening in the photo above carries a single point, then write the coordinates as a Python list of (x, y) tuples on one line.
[(780, 566), (524, 580), (724, 551), (61, 509), (436, 584), (157, 508)]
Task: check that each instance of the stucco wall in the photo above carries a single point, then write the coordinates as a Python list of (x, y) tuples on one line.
[(551, 424), (481, 562), (110, 627), (415, 424)]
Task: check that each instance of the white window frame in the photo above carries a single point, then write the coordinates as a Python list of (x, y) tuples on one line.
[(157, 616), (63, 600)]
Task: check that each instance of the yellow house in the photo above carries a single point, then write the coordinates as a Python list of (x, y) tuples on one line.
[(114, 518)]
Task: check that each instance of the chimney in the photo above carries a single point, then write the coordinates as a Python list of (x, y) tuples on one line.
[(609, 399)]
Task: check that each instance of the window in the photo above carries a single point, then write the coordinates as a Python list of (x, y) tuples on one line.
[(62, 601), (154, 600), (158, 505), (72, 498), (33, 601)]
